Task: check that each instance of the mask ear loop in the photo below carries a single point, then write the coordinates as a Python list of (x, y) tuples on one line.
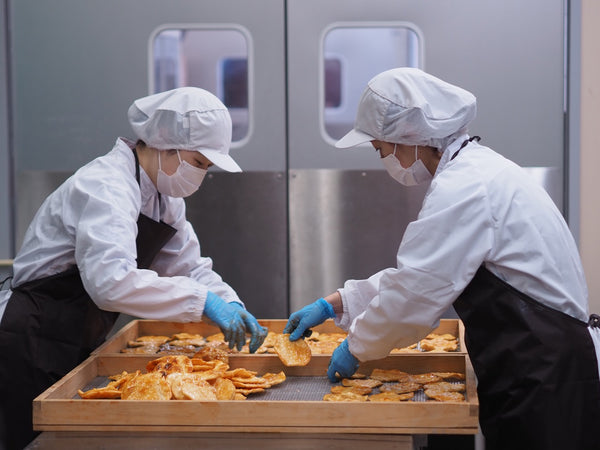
[(178, 157)]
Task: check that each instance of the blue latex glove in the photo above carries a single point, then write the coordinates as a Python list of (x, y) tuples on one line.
[(308, 317), (227, 318), (342, 362), (257, 332)]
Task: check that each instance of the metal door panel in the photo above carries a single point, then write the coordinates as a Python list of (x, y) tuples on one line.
[(77, 66), (344, 224), (507, 53), (243, 215)]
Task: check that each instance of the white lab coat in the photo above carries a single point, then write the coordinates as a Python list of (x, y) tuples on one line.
[(479, 208), (90, 221)]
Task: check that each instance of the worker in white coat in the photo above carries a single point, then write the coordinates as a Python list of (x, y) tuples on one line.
[(114, 239), (488, 241)]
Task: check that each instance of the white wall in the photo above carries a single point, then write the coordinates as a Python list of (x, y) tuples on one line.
[(590, 149)]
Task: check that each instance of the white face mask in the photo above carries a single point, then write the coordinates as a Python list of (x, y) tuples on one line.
[(417, 173), (184, 182)]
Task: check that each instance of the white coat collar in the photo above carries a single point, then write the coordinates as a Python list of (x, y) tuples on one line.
[(449, 151)]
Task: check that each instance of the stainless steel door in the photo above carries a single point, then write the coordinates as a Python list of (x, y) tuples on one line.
[(346, 217), (77, 68)]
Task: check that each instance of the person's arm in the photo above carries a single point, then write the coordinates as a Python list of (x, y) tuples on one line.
[(438, 256), (335, 300), (356, 296), (343, 305), (181, 256), (103, 210)]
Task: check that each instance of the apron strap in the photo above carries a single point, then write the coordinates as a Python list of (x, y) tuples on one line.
[(464, 144), (152, 235), (137, 172), (3, 282)]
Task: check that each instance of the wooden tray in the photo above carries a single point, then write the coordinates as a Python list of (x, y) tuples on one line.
[(60, 409), (137, 328)]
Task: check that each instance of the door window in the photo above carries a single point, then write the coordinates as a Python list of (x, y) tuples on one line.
[(351, 56), (215, 59)]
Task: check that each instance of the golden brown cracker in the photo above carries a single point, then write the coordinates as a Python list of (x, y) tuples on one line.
[(388, 375), (290, 353), (391, 397), (424, 378), (170, 364), (444, 396), (360, 382), (149, 349), (274, 378), (345, 397), (98, 393), (445, 386), (361, 390), (401, 388), (225, 389), (150, 340), (450, 375), (190, 386), (148, 386)]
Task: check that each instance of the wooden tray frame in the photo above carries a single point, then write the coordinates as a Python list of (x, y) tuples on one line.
[(137, 328), (59, 408)]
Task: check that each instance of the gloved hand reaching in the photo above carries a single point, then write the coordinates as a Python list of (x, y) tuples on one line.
[(234, 321), (308, 317), (342, 362), (257, 332)]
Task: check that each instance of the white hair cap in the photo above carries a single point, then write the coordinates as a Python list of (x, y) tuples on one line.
[(187, 118), (408, 106)]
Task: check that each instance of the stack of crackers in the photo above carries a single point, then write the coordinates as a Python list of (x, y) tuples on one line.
[(432, 343), (179, 377), (394, 385), (319, 343)]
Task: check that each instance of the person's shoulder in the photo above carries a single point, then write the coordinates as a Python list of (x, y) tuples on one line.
[(476, 164), (460, 181), (116, 165), (464, 170), (492, 166), (109, 176)]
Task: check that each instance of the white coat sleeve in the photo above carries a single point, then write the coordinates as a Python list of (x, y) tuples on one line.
[(438, 256), (103, 215), (356, 296), (181, 256)]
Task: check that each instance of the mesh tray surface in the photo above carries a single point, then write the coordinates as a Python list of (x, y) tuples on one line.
[(292, 389)]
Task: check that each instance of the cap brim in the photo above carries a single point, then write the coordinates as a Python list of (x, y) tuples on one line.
[(354, 138), (222, 161)]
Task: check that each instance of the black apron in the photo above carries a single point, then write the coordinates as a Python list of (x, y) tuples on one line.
[(51, 325), (536, 368)]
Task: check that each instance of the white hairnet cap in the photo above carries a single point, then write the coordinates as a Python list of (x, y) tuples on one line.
[(186, 118), (408, 106)]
